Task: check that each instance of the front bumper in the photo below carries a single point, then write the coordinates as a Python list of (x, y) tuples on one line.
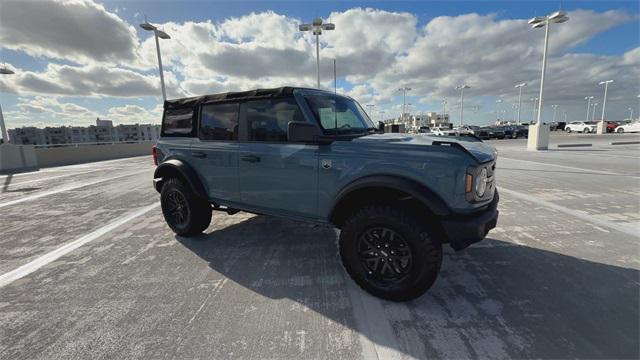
[(464, 230)]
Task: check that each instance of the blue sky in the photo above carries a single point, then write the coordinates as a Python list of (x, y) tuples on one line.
[(426, 45)]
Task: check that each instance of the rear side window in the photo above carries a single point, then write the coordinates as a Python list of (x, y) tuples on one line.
[(268, 120), (219, 122), (177, 122)]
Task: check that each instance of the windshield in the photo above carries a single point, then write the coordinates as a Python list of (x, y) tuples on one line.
[(339, 115)]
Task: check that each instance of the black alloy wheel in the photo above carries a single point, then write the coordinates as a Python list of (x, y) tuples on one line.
[(384, 254), (177, 208)]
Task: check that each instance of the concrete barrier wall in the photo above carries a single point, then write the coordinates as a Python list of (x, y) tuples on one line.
[(68, 155)]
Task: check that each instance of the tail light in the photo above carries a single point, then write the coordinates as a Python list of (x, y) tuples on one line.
[(154, 153)]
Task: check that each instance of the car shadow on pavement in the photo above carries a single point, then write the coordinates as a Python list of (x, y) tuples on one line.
[(495, 299)]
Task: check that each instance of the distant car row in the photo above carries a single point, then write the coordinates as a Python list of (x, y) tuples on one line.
[(484, 133), (586, 127)]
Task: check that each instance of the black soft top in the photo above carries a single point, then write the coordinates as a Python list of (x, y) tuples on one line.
[(240, 95)]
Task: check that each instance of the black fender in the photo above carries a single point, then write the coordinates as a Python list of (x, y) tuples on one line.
[(181, 170), (416, 190)]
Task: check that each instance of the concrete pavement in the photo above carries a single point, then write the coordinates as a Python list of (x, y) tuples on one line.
[(558, 277)]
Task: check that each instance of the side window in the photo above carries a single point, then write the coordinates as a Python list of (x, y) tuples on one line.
[(177, 122), (268, 120), (219, 122)]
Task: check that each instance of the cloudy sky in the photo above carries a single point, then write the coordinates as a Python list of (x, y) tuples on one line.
[(77, 60)]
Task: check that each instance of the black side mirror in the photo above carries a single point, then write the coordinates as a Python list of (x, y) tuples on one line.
[(304, 132), (381, 127)]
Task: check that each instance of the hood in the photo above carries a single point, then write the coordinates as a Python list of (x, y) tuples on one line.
[(480, 151)]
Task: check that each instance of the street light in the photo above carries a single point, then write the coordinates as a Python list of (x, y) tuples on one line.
[(630, 113), (3, 128), (316, 28), (461, 88), (157, 33), (444, 108), (498, 102), (593, 112), (555, 107), (602, 128), (539, 137), (404, 99), (588, 98), (370, 108), (520, 86), (535, 107)]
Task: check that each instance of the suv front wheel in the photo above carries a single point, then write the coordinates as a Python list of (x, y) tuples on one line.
[(184, 212), (390, 253)]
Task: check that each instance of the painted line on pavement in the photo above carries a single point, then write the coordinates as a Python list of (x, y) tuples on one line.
[(627, 229), (56, 177), (66, 188), (43, 260), (573, 145), (74, 167), (561, 166)]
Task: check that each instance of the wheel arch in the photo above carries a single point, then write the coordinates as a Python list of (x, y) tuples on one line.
[(385, 188), (175, 168)]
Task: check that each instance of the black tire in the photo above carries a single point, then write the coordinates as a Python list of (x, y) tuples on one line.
[(184, 212), (411, 274), (620, 131), (568, 130), (586, 131)]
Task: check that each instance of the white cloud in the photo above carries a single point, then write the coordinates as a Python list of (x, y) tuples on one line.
[(77, 30)]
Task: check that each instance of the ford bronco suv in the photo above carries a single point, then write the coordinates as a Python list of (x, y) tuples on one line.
[(313, 155)]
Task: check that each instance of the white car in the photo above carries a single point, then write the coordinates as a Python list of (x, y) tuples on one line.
[(580, 126), (630, 127), (442, 131)]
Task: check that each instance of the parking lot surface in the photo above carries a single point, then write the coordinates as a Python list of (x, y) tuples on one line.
[(89, 269)]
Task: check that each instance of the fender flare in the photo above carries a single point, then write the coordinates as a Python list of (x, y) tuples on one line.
[(183, 171), (418, 191)]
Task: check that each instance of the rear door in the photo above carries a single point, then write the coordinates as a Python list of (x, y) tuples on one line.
[(275, 176), (215, 150)]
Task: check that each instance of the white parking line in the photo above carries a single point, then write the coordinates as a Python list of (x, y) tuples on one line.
[(55, 177), (43, 260), (67, 188), (561, 166), (594, 219)]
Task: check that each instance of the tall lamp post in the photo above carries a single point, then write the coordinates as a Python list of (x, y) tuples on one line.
[(461, 88), (534, 101), (404, 100), (498, 102), (588, 98), (444, 108), (3, 128), (602, 127), (519, 87), (316, 27), (593, 112), (555, 108), (539, 137), (630, 113), (157, 33)]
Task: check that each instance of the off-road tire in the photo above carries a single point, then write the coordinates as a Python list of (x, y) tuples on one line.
[(197, 215), (426, 251)]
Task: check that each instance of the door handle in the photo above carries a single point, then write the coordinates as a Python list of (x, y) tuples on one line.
[(198, 154), (250, 158)]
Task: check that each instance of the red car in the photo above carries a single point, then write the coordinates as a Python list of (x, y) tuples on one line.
[(612, 125)]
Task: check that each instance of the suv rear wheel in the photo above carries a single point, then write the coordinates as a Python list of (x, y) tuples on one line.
[(183, 211), (390, 253)]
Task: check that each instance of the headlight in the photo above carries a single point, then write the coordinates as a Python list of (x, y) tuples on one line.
[(480, 183)]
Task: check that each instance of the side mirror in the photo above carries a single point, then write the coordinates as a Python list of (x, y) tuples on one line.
[(304, 132)]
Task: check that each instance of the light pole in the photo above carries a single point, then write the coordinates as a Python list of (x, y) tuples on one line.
[(539, 138), (157, 33), (370, 108), (534, 101), (461, 88), (498, 102), (555, 107), (444, 108), (630, 113), (3, 128), (316, 28), (404, 99), (602, 128), (593, 112), (588, 98), (520, 86)]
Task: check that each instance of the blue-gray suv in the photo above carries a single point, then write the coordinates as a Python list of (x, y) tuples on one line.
[(313, 155)]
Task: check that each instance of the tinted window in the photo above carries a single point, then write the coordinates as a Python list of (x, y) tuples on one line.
[(268, 120), (338, 114), (178, 122), (219, 122)]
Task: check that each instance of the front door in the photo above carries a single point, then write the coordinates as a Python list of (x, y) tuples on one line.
[(276, 177)]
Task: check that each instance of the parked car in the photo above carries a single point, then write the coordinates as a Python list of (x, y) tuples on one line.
[(520, 131), (560, 125), (483, 133), (581, 126), (443, 131), (508, 131), (629, 127), (495, 133), (312, 155), (424, 130), (613, 125), (467, 129)]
